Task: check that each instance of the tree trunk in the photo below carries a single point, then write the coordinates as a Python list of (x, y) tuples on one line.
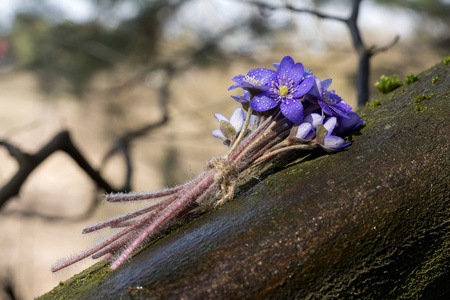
[(363, 77), (371, 222)]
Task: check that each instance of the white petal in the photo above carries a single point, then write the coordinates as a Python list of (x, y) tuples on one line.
[(237, 119), (221, 117), (333, 142), (218, 134), (314, 120), (330, 124), (303, 130)]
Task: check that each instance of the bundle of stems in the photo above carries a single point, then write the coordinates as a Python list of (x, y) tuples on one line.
[(218, 180)]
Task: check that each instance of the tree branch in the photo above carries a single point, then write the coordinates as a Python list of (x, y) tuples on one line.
[(296, 9), (27, 164), (376, 50)]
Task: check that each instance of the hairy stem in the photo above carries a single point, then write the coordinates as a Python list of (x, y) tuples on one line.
[(167, 215), (121, 197), (276, 152)]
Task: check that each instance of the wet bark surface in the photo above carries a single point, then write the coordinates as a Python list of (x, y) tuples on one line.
[(370, 222)]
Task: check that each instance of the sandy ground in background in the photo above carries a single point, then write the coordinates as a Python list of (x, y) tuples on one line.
[(31, 245)]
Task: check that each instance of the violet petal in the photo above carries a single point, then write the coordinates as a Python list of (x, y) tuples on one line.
[(262, 102), (292, 110)]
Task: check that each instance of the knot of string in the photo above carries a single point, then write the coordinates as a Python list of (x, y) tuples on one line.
[(226, 175)]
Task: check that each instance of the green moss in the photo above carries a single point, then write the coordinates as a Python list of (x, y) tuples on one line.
[(410, 78), (420, 108), (387, 84), (419, 98), (446, 60), (434, 80), (75, 287), (374, 103)]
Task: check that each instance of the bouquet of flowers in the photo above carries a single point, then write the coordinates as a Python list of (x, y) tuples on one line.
[(281, 110)]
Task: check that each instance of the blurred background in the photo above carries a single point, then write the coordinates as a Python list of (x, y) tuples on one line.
[(154, 73)]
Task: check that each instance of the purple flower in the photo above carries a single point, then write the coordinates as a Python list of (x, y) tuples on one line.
[(242, 98), (307, 72), (348, 124), (287, 85), (329, 101), (314, 119), (330, 141), (230, 128), (313, 127), (307, 129), (256, 80)]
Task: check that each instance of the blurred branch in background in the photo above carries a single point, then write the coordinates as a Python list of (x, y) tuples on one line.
[(29, 162)]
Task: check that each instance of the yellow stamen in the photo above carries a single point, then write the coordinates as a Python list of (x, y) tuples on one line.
[(284, 90)]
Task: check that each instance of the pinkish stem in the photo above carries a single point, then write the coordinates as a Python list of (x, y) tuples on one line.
[(155, 208), (116, 245), (250, 138), (168, 214), (257, 139), (121, 197), (276, 152), (206, 195)]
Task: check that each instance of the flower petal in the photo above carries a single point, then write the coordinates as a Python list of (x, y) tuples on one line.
[(221, 117), (317, 89), (297, 73), (242, 98), (292, 110), (307, 73), (263, 102), (325, 108), (314, 119), (218, 134), (285, 67), (238, 79), (263, 76), (334, 142), (234, 87), (348, 124), (330, 124), (288, 70), (237, 119), (342, 108), (326, 83), (304, 87), (303, 130)]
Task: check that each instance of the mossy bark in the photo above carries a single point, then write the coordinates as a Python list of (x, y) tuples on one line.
[(371, 222)]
